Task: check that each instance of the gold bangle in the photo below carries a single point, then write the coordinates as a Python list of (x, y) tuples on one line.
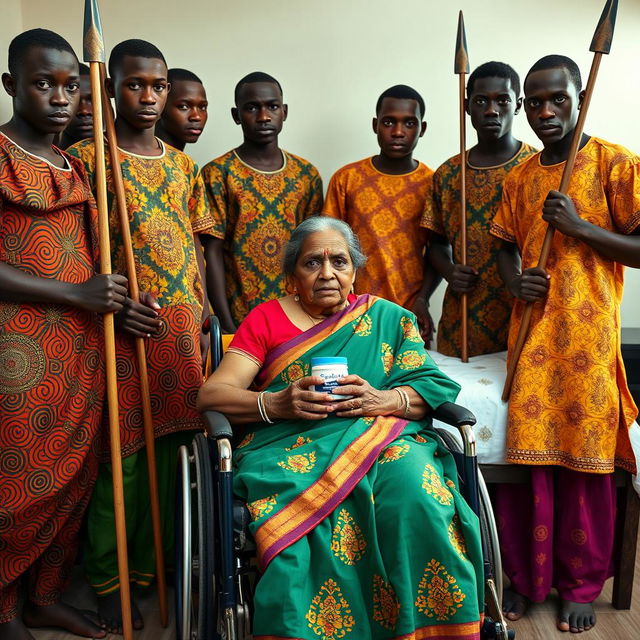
[(407, 402), (404, 400)]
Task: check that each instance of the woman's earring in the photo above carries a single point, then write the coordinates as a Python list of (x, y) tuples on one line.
[(296, 297)]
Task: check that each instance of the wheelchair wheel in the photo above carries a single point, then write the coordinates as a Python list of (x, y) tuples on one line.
[(489, 530), (196, 602), (495, 625), (488, 527), (183, 546)]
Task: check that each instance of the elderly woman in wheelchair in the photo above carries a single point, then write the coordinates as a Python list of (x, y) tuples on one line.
[(359, 526)]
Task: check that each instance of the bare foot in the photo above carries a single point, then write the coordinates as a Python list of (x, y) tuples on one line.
[(63, 616), (514, 605), (576, 616), (110, 611), (14, 630)]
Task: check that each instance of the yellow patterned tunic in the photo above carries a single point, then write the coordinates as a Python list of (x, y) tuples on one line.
[(384, 210), (167, 205), (489, 302), (255, 213), (570, 404)]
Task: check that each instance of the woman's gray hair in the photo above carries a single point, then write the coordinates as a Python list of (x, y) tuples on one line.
[(313, 225)]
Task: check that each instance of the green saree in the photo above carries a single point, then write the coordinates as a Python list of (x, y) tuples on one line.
[(360, 529)]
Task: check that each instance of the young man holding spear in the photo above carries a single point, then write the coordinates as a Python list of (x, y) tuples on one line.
[(570, 409), (166, 205), (52, 380), (493, 101)]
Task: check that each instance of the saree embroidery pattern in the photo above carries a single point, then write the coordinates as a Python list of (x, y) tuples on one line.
[(432, 484), (363, 326), (387, 357), (329, 614), (348, 543), (457, 538), (439, 595), (410, 360), (393, 453), (409, 330), (299, 463), (300, 442), (386, 607), (260, 508), (324, 497), (295, 371)]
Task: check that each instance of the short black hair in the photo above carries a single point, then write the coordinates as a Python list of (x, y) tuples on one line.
[(182, 74), (35, 39), (134, 48), (402, 92), (84, 69), (557, 61), (255, 76), (494, 69)]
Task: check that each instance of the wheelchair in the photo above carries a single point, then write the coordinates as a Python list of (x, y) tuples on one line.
[(215, 555)]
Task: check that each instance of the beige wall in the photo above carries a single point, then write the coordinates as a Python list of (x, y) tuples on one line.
[(334, 57), (10, 25)]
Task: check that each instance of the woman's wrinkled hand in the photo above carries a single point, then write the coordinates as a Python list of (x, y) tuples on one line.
[(298, 401), (366, 400)]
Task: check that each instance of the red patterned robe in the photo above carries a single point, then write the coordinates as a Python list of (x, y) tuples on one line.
[(51, 377)]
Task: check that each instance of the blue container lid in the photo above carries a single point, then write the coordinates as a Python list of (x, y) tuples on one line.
[(318, 362)]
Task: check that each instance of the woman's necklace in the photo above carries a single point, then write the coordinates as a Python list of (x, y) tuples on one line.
[(314, 321)]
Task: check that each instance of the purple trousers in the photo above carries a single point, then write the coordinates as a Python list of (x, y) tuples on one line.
[(557, 532)]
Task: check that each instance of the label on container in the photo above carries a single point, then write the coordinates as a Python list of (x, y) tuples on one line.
[(330, 374)]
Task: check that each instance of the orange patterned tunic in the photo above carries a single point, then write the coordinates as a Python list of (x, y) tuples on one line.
[(570, 404), (384, 210), (51, 375)]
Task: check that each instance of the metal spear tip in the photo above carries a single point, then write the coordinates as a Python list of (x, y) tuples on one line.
[(461, 64), (92, 41), (603, 35)]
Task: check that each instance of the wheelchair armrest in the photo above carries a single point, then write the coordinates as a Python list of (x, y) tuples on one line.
[(453, 414), (460, 417), (217, 425)]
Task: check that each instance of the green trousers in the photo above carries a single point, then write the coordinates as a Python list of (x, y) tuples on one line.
[(100, 559)]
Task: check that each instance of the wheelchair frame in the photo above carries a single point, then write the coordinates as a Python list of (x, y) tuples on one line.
[(216, 553)]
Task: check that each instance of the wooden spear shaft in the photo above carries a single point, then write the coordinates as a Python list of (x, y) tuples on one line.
[(464, 300), (461, 68), (600, 45), (110, 357), (141, 356)]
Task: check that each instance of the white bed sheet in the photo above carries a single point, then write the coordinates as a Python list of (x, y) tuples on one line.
[(482, 380)]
